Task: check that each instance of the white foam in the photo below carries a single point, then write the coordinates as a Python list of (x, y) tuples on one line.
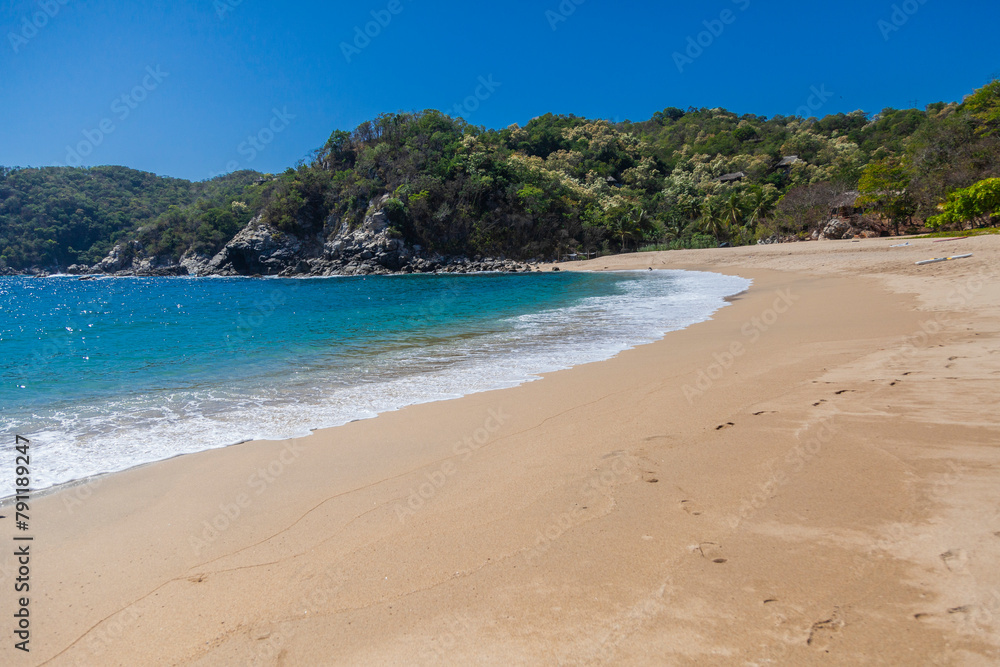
[(88, 440)]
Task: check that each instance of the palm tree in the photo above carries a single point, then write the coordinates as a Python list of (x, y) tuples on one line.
[(733, 209), (628, 224), (759, 207), (713, 220), (690, 206)]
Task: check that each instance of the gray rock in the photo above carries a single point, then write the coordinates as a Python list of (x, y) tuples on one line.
[(257, 248), (836, 229), (121, 258)]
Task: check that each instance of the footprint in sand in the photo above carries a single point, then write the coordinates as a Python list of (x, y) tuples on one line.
[(712, 551), (691, 507), (765, 412), (955, 559), (726, 425), (844, 391), (823, 632)]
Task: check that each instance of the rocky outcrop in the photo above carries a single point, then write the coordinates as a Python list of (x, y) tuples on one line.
[(778, 238), (129, 260), (835, 229), (121, 258), (158, 267), (196, 264), (373, 248), (258, 249)]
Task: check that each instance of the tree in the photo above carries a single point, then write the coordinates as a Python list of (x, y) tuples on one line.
[(984, 106), (733, 210), (977, 203), (884, 185), (628, 224), (804, 207), (713, 220), (760, 204)]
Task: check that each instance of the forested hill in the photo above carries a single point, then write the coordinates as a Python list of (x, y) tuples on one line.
[(58, 216), (684, 178)]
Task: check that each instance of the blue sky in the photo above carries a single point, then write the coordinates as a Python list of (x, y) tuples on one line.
[(194, 88)]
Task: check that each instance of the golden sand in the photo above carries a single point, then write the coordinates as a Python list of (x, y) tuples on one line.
[(811, 477)]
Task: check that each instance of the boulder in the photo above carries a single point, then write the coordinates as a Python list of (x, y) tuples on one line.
[(836, 229), (120, 259), (257, 249), (196, 264)]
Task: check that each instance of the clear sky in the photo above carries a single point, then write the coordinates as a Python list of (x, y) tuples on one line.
[(193, 88)]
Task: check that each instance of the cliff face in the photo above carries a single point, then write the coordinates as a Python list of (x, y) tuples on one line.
[(260, 249)]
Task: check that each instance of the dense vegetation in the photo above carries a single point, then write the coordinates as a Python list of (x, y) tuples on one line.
[(58, 216), (557, 185)]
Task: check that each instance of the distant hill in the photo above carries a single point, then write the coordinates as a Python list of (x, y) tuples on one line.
[(58, 216), (683, 178)]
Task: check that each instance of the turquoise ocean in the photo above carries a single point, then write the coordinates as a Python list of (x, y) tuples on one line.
[(106, 374)]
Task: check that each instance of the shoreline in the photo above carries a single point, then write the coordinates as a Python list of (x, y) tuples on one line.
[(321, 421), (829, 495)]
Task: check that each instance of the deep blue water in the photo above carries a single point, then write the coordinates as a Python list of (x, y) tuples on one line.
[(106, 374)]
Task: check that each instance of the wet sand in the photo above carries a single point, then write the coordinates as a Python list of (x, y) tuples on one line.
[(811, 477)]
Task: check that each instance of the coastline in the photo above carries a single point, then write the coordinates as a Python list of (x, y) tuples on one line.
[(794, 480), (639, 307)]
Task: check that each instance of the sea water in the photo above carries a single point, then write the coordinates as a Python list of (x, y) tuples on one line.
[(102, 375)]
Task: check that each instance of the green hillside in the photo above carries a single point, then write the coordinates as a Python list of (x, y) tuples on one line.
[(684, 178)]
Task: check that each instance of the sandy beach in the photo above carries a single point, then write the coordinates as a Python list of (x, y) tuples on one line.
[(811, 477)]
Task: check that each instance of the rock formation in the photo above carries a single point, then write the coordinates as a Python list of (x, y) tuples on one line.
[(260, 249)]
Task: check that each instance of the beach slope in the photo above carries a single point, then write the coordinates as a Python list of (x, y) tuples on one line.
[(811, 477)]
